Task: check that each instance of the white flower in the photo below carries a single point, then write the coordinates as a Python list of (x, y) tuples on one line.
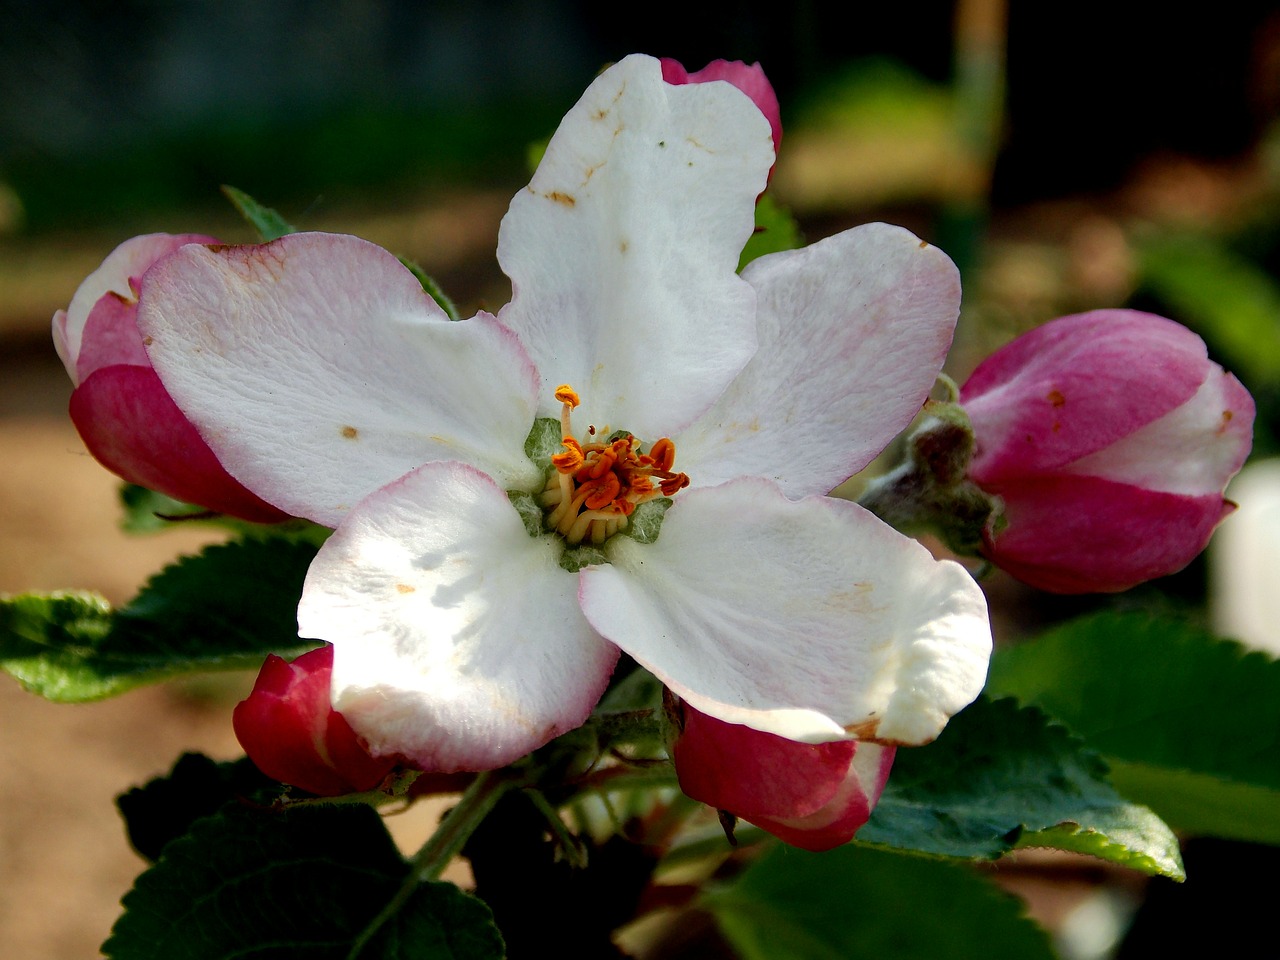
[(329, 384)]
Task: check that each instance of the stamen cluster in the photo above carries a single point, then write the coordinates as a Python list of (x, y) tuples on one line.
[(597, 485)]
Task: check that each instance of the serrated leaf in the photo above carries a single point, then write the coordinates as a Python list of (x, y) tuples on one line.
[(438, 922), (852, 902), (281, 884), (269, 224), (1190, 723), (776, 230), (166, 807), (225, 608), (1000, 775)]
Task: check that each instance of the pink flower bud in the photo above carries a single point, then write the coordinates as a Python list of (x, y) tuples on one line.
[(122, 411), (1110, 437), (292, 733), (811, 795), (749, 79)]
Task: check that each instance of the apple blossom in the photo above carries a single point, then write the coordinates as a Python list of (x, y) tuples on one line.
[(122, 412), (811, 795), (1109, 437), (292, 733), (495, 546)]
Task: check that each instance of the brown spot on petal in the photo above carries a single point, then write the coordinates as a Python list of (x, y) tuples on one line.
[(558, 197), (405, 588), (147, 341), (350, 432), (866, 730), (623, 246), (1056, 398), (923, 244)]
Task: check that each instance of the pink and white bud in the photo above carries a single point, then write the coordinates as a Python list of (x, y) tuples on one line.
[(289, 729), (811, 795), (1110, 437), (749, 79), (119, 406)]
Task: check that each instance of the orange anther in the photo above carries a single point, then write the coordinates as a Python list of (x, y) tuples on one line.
[(663, 453), (604, 490), (678, 482), (602, 464), (566, 394), (571, 459)]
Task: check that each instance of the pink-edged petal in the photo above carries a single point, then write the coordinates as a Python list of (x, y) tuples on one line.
[(458, 642), (755, 774), (853, 331), (623, 250), (807, 619), (111, 337), (846, 812), (117, 274), (1076, 385), (1073, 534), (133, 428), (318, 370), (1193, 450)]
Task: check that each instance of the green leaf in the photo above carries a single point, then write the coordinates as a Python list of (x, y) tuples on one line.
[(1000, 777), (269, 224), (438, 922), (225, 608), (853, 902), (1226, 297), (776, 230), (1189, 723), (432, 288), (282, 884), (146, 511), (166, 807)]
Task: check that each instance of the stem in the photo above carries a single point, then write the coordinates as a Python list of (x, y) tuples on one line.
[(429, 862)]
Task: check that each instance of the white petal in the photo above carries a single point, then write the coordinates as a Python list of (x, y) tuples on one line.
[(807, 619), (853, 331), (318, 370), (458, 641), (623, 249)]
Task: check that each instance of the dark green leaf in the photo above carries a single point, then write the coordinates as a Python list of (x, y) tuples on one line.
[(269, 224), (166, 807), (438, 922), (852, 902), (1001, 776), (1190, 724), (283, 884), (225, 608), (776, 230)]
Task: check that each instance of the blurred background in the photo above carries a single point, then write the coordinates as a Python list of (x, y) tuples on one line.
[(1066, 156)]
